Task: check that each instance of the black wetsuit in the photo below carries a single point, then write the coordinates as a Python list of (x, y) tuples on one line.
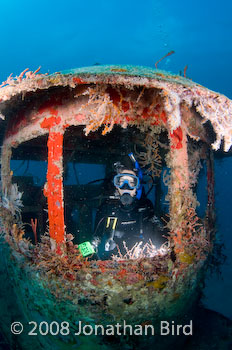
[(130, 224)]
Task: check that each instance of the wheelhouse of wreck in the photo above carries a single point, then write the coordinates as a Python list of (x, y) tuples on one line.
[(64, 132)]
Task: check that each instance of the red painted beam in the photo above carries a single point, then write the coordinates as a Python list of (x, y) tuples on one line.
[(53, 189)]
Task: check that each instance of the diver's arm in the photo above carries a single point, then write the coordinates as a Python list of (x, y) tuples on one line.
[(98, 232), (100, 224)]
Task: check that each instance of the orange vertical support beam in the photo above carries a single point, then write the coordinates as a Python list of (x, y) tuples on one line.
[(53, 189)]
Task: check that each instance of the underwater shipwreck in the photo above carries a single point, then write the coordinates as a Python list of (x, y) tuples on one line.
[(94, 116)]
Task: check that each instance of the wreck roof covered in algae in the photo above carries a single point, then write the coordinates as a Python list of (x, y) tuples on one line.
[(175, 89)]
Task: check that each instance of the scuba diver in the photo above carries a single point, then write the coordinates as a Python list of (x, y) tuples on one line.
[(129, 217)]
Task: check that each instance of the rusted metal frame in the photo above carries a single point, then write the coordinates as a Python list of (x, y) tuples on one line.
[(6, 174), (180, 185), (210, 211)]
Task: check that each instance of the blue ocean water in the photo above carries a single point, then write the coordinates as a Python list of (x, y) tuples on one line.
[(58, 35)]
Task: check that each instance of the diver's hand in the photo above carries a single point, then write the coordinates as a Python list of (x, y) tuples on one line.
[(110, 244), (95, 242), (157, 222)]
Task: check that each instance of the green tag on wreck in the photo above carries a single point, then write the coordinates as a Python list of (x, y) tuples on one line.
[(86, 248)]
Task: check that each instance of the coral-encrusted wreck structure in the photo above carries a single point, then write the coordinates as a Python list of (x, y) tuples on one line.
[(92, 116)]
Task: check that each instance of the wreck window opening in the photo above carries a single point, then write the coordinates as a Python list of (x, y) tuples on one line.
[(29, 167), (89, 170)]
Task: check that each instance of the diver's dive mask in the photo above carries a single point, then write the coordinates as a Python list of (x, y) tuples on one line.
[(126, 181)]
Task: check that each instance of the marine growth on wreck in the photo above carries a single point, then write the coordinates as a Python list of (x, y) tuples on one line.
[(96, 115)]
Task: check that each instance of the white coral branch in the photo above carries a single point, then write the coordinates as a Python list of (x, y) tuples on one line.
[(12, 199), (141, 251)]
